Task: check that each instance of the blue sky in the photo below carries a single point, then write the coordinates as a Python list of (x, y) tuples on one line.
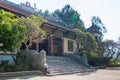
[(107, 10)]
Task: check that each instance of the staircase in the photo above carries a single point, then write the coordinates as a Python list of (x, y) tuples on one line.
[(59, 65)]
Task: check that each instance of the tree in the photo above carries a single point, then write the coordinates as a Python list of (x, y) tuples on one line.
[(80, 25), (118, 49), (97, 28), (112, 48), (34, 32), (11, 33), (46, 13), (70, 17), (100, 49), (86, 41), (67, 16)]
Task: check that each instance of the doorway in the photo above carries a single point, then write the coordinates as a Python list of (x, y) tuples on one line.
[(57, 46)]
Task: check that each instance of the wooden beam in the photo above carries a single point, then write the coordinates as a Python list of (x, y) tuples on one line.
[(54, 30)]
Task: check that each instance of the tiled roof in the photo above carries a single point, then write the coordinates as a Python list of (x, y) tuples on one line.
[(7, 5)]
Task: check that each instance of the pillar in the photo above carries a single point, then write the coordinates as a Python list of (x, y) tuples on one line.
[(62, 46), (50, 45)]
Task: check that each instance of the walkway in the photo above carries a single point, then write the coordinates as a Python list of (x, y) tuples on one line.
[(97, 75)]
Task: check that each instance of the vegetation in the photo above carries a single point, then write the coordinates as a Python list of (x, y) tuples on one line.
[(33, 33), (88, 45), (97, 28), (86, 41), (70, 17), (12, 34), (112, 61), (66, 16), (15, 31), (89, 40), (92, 57), (112, 48)]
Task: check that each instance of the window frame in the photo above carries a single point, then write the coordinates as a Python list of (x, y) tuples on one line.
[(70, 45)]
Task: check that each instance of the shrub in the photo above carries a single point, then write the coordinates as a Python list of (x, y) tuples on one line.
[(92, 57), (2, 69), (113, 61), (18, 68)]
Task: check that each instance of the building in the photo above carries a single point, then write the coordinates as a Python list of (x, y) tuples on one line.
[(61, 39)]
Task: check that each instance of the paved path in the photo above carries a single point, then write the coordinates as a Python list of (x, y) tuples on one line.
[(100, 74)]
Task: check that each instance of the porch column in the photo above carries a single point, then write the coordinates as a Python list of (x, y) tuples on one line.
[(50, 43), (37, 45), (62, 46)]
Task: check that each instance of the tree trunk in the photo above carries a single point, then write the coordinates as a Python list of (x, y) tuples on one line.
[(19, 57)]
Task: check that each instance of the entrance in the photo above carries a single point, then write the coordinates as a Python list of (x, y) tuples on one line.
[(57, 46), (44, 46)]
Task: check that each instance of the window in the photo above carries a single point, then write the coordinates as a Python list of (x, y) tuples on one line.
[(70, 45)]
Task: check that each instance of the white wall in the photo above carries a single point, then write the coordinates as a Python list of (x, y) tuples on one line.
[(66, 45), (6, 57)]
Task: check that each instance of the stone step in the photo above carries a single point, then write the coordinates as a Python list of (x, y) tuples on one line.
[(62, 72), (64, 65), (59, 61), (55, 58)]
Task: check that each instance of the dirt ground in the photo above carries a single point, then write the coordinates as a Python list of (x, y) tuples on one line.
[(101, 74)]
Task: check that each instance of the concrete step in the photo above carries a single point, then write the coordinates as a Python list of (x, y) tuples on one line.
[(57, 58), (62, 72), (64, 65)]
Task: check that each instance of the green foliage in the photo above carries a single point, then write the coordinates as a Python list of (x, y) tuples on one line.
[(34, 33), (24, 65), (86, 41), (117, 62), (111, 48), (70, 17), (113, 61), (73, 17), (97, 28), (66, 16), (91, 44), (27, 61), (4, 67), (18, 68), (91, 55), (11, 33), (100, 49), (80, 25)]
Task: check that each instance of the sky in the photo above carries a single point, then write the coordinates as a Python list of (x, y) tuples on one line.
[(107, 10)]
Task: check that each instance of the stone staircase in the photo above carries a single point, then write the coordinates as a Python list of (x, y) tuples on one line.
[(64, 65)]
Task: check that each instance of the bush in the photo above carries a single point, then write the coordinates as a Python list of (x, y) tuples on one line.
[(92, 57), (5, 67), (2, 69), (113, 61), (18, 68)]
